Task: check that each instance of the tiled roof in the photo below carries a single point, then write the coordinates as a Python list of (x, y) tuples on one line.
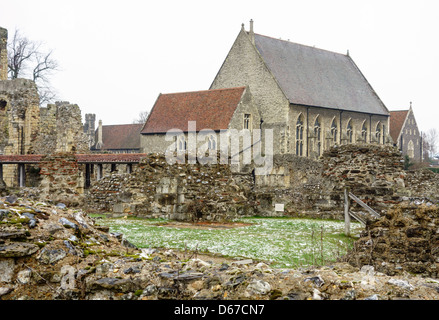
[(316, 77), (397, 119), (20, 158), (110, 158), (121, 136), (81, 158), (211, 109)]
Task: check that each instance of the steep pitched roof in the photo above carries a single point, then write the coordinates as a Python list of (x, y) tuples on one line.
[(211, 109), (397, 119), (121, 136), (316, 77)]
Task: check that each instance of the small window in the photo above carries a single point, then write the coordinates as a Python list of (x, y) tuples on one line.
[(181, 143), (247, 121), (211, 142)]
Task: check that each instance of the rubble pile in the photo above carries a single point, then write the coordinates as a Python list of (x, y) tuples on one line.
[(405, 239), (52, 252)]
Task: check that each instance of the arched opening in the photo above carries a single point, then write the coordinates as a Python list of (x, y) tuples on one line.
[(318, 136), (378, 132), (349, 131), (334, 131), (364, 132), (299, 135)]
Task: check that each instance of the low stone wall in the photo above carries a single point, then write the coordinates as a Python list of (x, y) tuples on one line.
[(179, 191)]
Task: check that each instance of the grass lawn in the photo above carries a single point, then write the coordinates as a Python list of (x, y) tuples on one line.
[(285, 242)]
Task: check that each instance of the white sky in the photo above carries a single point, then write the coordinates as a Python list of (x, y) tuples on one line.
[(117, 56)]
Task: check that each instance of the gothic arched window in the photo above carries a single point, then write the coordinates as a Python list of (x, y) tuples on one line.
[(334, 130), (411, 149), (349, 132), (299, 136), (318, 135), (378, 132), (364, 132)]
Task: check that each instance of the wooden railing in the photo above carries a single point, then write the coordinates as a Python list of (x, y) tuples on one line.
[(348, 214)]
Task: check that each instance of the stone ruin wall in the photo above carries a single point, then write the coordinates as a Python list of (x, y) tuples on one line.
[(3, 54), (179, 191), (297, 186), (61, 130), (19, 118), (61, 180)]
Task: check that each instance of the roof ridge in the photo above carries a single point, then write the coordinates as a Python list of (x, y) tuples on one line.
[(208, 90), (122, 124), (300, 44)]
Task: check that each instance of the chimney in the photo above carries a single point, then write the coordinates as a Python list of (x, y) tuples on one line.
[(99, 143), (3, 54), (251, 32)]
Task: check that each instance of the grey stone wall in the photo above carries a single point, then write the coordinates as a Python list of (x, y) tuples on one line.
[(244, 66)]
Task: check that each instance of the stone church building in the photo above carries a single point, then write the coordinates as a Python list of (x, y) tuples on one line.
[(311, 98), (405, 133)]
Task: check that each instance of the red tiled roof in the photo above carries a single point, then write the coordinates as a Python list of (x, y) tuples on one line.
[(211, 109), (20, 158), (397, 119), (121, 136), (81, 158), (110, 158)]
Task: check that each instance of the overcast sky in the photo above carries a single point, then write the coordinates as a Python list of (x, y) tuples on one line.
[(116, 57)]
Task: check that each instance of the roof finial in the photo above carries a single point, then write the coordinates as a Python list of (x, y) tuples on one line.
[(410, 104), (251, 25), (347, 53), (242, 26)]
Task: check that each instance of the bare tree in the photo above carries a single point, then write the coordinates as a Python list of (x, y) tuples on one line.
[(141, 118), (430, 141), (26, 59)]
